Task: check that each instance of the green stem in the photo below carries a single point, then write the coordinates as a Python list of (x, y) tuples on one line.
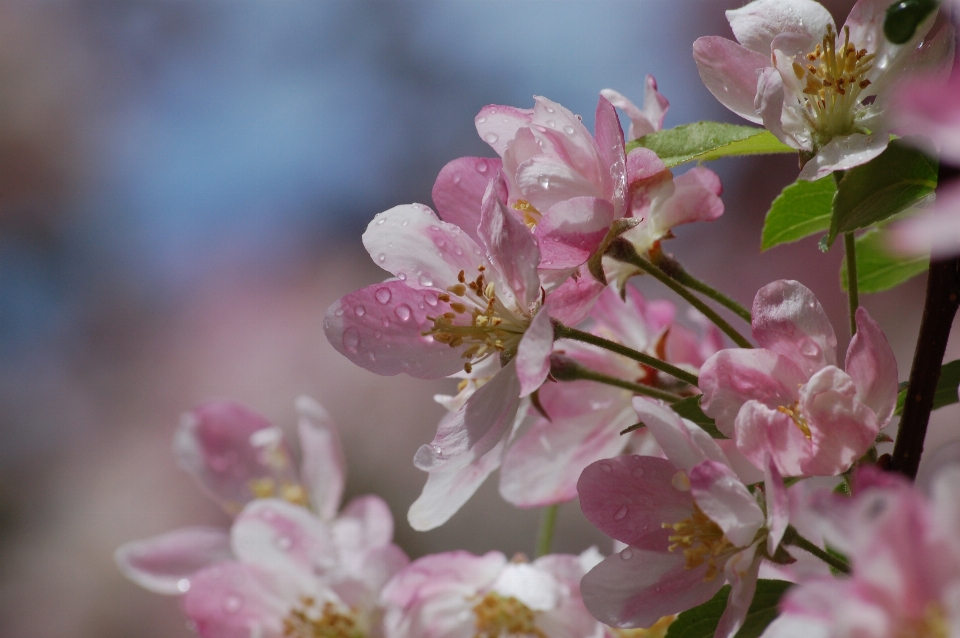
[(792, 537), (624, 251), (561, 331), (548, 522), (678, 273), (853, 293), (568, 371)]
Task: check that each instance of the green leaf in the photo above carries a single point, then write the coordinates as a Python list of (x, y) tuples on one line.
[(689, 409), (888, 184), (704, 141), (701, 622), (802, 209), (877, 268), (946, 392)]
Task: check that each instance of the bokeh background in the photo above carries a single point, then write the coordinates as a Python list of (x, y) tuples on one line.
[(183, 186)]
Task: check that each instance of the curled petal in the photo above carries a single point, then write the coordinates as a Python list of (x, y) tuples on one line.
[(498, 125), (684, 443), (323, 468), (788, 319), (510, 246), (696, 197), (609, 142), (729, 71), (571, 302), (459, 189), (164, 564), (546, 180), (566, 137), (642, 121), (844, 152), (741, 570), (873, 368), (571, 230), (722, 497), (762, 431), (533, 354)]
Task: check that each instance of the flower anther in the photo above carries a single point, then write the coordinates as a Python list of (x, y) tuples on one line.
[(311, 620), (656, 630), (702, 541), (933, 624), (505, 617), (793, 411)]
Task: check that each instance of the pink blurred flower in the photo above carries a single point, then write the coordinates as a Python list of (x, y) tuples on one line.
[(905, 557), (689, 522), (281, 565), (819, 89), (646, 120), (788, 399), (459, 595)]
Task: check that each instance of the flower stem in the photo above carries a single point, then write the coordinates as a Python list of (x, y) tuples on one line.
[(853, 285), (792, 537), (548, 522), (564, 368), (624, 251), (561, 331), (678, 273)]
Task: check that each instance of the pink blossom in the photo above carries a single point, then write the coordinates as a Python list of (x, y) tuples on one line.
[(689, 523), (905, 557), (819, 89), (459, 595), (281, 565), (646, 120), (788, 399)]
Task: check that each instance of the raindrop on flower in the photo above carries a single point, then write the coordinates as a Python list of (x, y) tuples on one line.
[(183, 585), (382, 257), (491, 138), (809, 349), (351, 340), (626, 554), (482, 164), (544, 181), (568, 129), (620, 513), (605, 467), (456, 178), (383, 295), (403, 312), (359, 311), (481, 120)]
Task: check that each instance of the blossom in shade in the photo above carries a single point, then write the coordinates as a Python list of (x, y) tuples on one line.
[(460, 595), (905, 558), (788, 399), (819, 89), (689, 522), (290, 565)]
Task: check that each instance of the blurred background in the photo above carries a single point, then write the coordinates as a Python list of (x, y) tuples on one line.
[(183, 186)]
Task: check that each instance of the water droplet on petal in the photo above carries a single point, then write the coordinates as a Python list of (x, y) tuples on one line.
[(620, 513), (809, 349), (544, 181), (605, 467), (626, 554), (481, 120), (385, 322), (491, 138), (339, 312), (431, 299), (381, 220), (351, 340), (637, 472), (359, 311), (568, 129), (482, 165), (402, 276), (425, 281), (382, 257), (284, 543), (232, 603), (183, 585), (403, 312), (551, 124), (383, 295), (456, 178), (550, 109)]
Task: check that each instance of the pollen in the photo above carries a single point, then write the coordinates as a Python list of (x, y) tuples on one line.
[(531, 216), (312, 620), (505, 617), (793, 411), (702, 542), (656, 630)]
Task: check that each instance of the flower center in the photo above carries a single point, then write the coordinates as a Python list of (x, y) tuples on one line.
[(933, 624), (835, 75), (531, 216), (266, 487), (505, 617), (702, 541), (656, 630), (310, 620), (479, 318), (793, 411)]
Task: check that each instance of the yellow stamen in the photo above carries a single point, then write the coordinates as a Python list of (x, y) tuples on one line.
[(793, 411), (310, 620), (702, 542), (656, 630), (505, 616)]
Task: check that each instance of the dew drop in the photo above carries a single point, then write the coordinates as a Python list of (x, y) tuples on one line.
[(402, 276), (183, 585), (551, 124), (605, 467), (544, 181), (568, 129), (383, 295), (809, 349), (620, 513), (482, 165), (403, 312), (550, 109), (380, 221), (404, 223), (351, 340), (456, 178), (372, 356), (377, 334), (339, 312), (385, 322), (233, 603), (637, 472), (382, 257), (284, 543), (431, 299), (359, 311), (425, 281), (491, 138), (626, 554), (481, 120)]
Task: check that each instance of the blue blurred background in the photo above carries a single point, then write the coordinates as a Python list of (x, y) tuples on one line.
[(182, 190)]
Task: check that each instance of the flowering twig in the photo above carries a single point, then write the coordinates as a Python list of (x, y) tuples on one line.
[(548, 523), (564, 368), (792, 537), (676, 271), (561, 331), (624, 251)]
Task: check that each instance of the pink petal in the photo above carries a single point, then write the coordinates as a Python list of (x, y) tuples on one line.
[(745, 469), (655, 106), (523, 147), (630, 498), (762, 431), (572, 230), (498, 125), (323, 468), (845, 152), (511, 247), (936, 230), (928, 107), (873, 368), (684, 443), (546, 180), (571, 302), (631, 320), (411, 242), (730, 378), (741, 570), (227, 448), (650, 118), (609, 142), (788, 319), (365, 523), (459, 189), (769, 102), (729, 71), (644, 167), (866, 20), (778, 506), (378, 567), (543, 465), (636, 588), (842, 428), (758, 23), (380, 328), (722, 497), (533, 354), (696, 197), (230, 600), (164, 564), (456, 572), (568, 139)]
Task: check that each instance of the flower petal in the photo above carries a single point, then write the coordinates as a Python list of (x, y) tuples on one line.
[(498, 125), (566, 137), (533, 354), (741, 570), (729, 71), (844, 152), (164, 564), (459, 189), (380, 328), (722, 497), (511, 247), (684, 443), (873, 368), (696, 197), (936, 230), (571, 230), (546, 180), (231, 600), (758, 23), (788, 319), (323, 468), (778, 506), (571, 302), (650, 118), (609, 143), (732, 377), (762, 431)]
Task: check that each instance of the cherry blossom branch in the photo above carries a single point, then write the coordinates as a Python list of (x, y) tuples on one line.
[(793, 537), (853, 285), (561, 331), (622, 250), (678, 273), (940, 307), (548, 523)]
